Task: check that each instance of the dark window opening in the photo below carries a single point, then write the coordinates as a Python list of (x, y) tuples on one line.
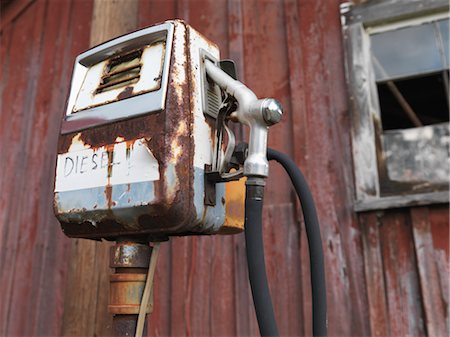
[(427, 97)]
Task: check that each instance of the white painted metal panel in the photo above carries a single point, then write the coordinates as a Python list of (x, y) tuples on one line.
[(82, 168)]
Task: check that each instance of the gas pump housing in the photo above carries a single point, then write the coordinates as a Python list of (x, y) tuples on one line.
[(136, 137)]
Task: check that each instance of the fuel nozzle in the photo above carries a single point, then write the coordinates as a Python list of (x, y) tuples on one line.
[(257, 114)]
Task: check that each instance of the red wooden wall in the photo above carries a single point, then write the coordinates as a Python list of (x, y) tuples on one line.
[(39, 41), (387, 272)]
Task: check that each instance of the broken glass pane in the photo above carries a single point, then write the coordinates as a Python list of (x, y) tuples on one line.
[(406, 51), (444, 30)]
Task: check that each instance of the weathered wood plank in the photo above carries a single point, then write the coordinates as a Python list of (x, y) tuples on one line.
[(341, 176), (82, 289), (47, 276), (160, 321), (363, 106), (295, 111), (209, 18), (5, 47), (12, 11), (75, 37), (152, 12), (223, 292), (19, 233), (439, 225), (102, 319), (373, 263), (245, 320), (28, 135), (202, 304), (379, 12), (428, 273), (324, 109), (283, 262), (409, 200), (179, 286), (235, 36), (266, 72), (401, 275)]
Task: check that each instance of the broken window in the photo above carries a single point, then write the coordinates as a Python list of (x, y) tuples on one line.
[(398, 77), (411, 72)]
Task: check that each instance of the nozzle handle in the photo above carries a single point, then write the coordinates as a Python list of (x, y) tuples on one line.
[(257, 114)]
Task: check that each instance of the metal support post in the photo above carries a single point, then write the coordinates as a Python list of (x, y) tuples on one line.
[(130, 261)]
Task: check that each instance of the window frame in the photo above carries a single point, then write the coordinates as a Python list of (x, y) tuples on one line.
[(358, 21)]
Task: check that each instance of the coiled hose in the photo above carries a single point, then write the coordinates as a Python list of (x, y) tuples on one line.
[(255, 251)]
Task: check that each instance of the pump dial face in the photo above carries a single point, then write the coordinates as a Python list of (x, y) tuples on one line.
[(122, 78)]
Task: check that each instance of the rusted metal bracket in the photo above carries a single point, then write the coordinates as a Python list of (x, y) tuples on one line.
[(210, 188), (213, 177)]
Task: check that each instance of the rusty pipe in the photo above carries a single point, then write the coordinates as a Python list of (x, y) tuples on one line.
[(130, 261)]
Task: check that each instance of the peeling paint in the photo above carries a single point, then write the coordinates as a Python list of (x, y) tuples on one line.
[(172, 181), (418, 154), (178, 67), (77, 144), (176, 147)]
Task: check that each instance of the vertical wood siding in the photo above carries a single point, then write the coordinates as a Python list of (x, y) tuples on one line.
[(406, 255), (38, 46), (387, 272)]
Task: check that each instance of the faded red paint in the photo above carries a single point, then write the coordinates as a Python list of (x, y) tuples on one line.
[(288, 49), (38, 45)]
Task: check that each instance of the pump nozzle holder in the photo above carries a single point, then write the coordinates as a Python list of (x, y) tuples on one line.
[(257, 114)]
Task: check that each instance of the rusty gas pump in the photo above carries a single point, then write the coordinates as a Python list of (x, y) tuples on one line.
[(142, 156)]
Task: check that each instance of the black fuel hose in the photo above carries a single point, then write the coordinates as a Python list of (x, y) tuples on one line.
[(255, 250), (255, 260), (318, 288)]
